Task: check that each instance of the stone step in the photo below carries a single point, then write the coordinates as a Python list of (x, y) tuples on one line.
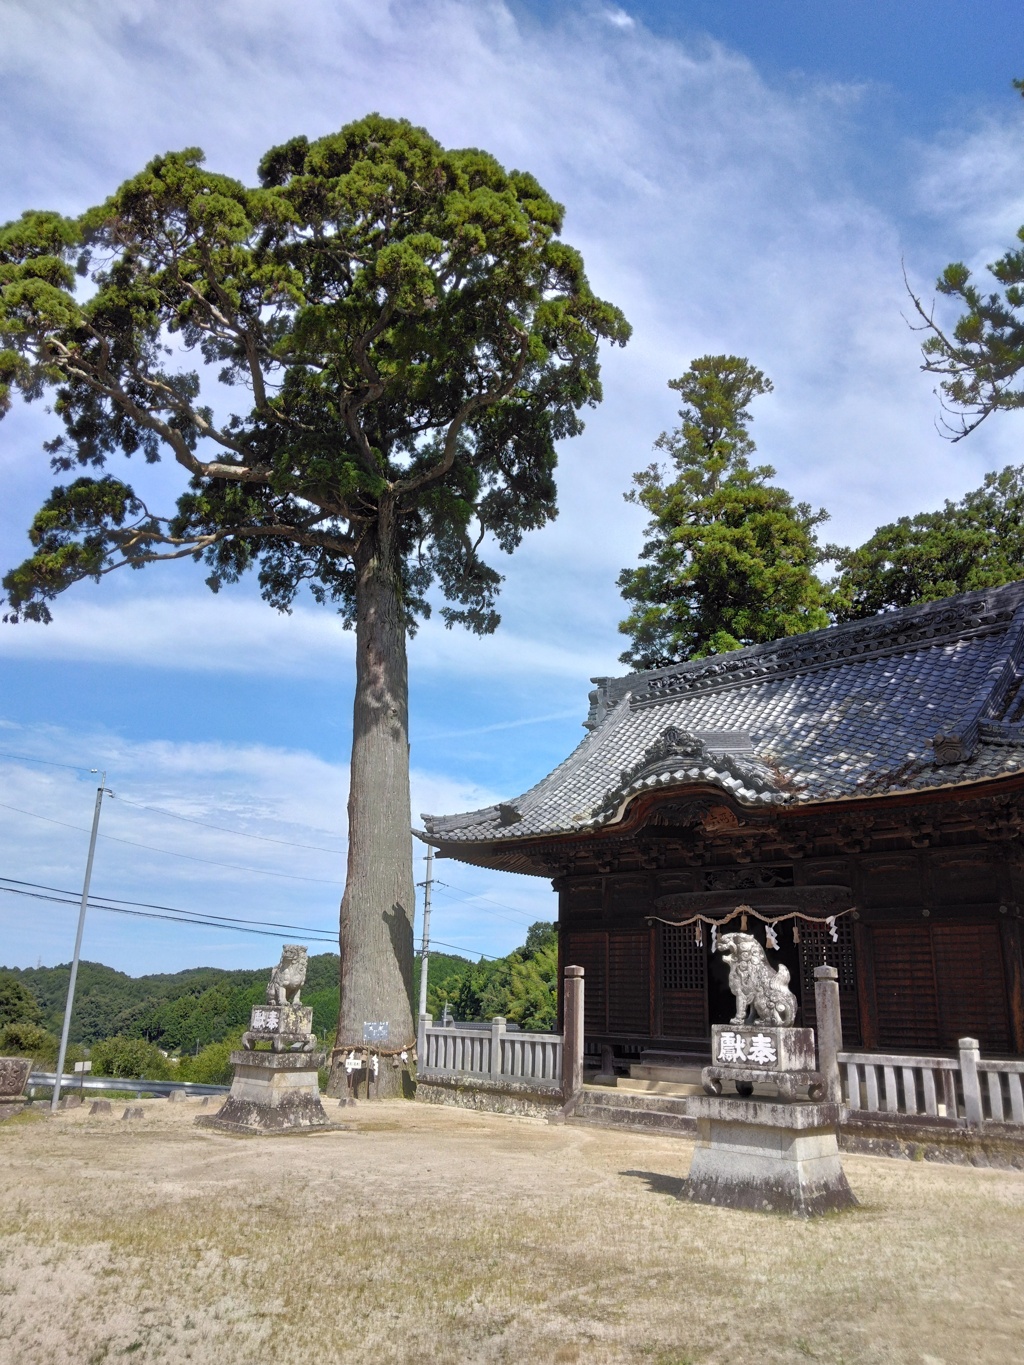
[(653, 1071), (644, 1113)]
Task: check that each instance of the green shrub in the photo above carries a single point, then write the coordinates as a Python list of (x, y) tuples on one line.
[(211, 1065), (25, 1039), (132, 1057)]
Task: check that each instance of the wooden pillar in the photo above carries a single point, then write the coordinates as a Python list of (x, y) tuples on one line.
[(830, 1029), (572, 1037), (865, 968), (1013, 959)]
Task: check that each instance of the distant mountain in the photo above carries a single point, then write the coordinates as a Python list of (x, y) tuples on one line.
[(183, 1011)]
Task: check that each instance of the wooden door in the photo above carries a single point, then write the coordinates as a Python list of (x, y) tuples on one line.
[(683, 980), (590, 951), (937, 983), (906, 999), (629, 987), (971, 985)]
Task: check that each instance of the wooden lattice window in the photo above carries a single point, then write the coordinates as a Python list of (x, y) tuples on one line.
[(682, 958), (684, 1003), (818, 949)]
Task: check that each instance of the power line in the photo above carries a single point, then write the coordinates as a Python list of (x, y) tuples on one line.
[(241, 833), (170, 853), (71, 767), (486, 908), (458, 949), (181, 917), (173, 909)]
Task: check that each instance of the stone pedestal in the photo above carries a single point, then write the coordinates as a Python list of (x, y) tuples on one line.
[(767, 1154), (751, 1054), (272, 1092), (14, 1073)]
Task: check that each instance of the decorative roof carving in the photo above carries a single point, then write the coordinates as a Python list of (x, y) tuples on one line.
[(679, 754)]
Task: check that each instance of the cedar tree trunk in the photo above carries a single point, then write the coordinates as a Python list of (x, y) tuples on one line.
[(376, 938)]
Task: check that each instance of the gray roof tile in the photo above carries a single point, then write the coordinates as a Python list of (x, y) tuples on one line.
[(848, 711)]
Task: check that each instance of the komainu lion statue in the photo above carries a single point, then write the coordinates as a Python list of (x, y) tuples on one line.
[(759, 989), (288, 977)]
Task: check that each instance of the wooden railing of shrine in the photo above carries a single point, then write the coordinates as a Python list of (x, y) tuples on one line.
[(967, 1087), (450, 1052)]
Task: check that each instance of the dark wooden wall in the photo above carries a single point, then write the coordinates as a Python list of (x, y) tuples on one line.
[(931, 953)]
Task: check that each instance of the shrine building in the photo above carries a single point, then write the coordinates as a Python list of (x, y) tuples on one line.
[(853, 795)]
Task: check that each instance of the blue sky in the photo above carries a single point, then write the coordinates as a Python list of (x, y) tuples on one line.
[(740, 177)]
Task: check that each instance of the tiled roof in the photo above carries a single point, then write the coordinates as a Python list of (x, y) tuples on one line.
[(922, 698)]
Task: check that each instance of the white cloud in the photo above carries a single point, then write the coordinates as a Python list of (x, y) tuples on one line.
[(245, 830), (714, 207)]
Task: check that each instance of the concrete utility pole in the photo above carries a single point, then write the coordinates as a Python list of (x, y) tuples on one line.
[(101, 790), (425, 945)]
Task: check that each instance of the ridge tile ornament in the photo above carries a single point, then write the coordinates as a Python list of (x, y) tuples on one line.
[(276, 1083)]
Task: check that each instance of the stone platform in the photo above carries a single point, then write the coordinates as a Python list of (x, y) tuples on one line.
[(272, 1092), (771, 1155)]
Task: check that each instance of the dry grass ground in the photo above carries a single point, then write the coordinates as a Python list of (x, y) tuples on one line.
[(430, 1234)]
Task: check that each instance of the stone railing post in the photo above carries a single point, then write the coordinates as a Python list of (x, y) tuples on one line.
[(830, 1030), (970, 1051), (421, 1040), (572, 1037), (497, 1034)]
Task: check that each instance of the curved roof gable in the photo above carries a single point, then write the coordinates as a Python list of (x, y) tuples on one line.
[(927, 697)]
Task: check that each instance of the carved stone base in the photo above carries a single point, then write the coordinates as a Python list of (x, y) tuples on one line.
[(272, 1092), (767, 1155)]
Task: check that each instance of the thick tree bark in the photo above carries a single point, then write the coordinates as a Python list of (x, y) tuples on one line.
[(376, 938)]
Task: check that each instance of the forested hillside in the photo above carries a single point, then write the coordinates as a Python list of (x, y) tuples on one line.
[(184, 1012)]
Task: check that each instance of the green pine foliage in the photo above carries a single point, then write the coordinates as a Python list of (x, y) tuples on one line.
[(977, 542), (729, 558), (981, 361), (521, 987)]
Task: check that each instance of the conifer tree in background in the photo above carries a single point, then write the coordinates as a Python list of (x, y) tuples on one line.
[(409, 339), (981, 361), (977, 542), (729, 558)]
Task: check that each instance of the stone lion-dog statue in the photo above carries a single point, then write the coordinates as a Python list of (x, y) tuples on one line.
[(288, 977), (760, 991)]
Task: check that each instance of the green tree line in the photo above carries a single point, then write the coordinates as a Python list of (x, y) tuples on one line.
[(184, 1025)]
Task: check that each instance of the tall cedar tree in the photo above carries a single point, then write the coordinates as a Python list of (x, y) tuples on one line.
[(982, 360), (729, 558), (977, 542), (410, 338)]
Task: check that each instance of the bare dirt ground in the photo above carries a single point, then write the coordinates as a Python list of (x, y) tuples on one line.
[(428, 1234)]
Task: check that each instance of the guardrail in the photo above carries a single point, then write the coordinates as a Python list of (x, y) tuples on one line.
[(882, 1085), (71, 1085)]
